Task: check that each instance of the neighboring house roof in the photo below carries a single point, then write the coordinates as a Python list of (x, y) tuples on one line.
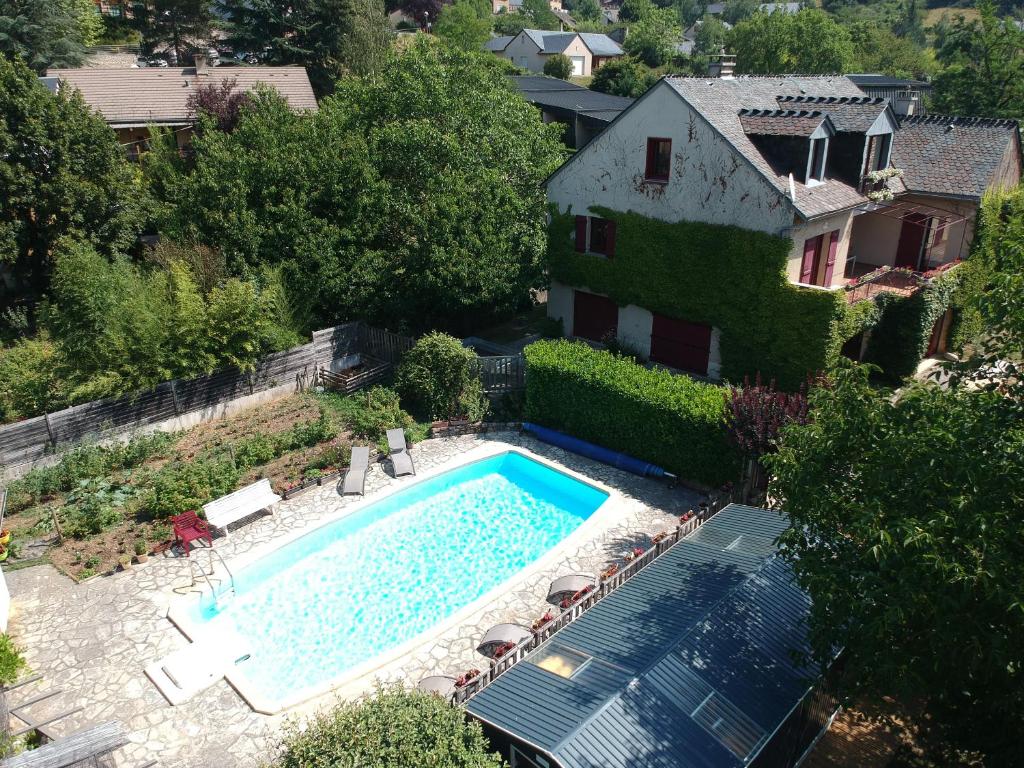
[(139, 97), (498, 43), (884, 81), (720, 100), (780, 7), (848, 113), (555, 94), (781, 122), (952, 156), (601, 45), (688, 663), (564, 17), (715, 9)]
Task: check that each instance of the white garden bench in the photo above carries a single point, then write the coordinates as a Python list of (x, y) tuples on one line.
[(220, 513)]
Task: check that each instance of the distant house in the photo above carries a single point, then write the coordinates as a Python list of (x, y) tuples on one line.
[(506, 6), (906, 96), (852, 186), (532, 48), (697, 661), (132, 100), (780, 7), (584, 112)]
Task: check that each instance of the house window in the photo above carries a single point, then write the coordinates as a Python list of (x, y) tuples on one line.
[(816, 161), (682, 345), (884, 144), (819, 259), (595, 235), (659, 159)]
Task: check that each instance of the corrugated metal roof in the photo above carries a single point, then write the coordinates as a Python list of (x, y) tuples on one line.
[(691, 662)]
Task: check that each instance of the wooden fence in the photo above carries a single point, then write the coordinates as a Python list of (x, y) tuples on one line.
[(28, 440), (588, 601)]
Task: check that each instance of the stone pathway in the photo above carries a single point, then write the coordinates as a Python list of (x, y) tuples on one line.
[(94, 639)]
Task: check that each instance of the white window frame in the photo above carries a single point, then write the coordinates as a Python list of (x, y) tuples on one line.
[(813, 180)]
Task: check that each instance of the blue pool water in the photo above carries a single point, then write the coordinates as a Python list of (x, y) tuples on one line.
[(353, 589)]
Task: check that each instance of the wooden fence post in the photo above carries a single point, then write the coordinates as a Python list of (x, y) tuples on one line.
[(49, 429), (174, 396)]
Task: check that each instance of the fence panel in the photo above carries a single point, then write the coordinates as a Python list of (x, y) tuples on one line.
[(384, 345), (502, 373)]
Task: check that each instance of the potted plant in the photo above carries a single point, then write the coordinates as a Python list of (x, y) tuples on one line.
[(141, 551), (466, 677), (126, 562), (545, 619), (610, 571), (5, 536), (3, 552)]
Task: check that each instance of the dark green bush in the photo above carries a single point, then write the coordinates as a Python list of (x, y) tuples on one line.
[(672, 421), (181, 486), (393, 729), (438, 380), (559, 66)]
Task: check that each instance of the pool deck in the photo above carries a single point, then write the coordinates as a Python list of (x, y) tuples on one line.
[(92, 640)]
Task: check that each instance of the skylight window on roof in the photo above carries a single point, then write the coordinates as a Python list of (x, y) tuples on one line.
[(727, 723), (559, 660)]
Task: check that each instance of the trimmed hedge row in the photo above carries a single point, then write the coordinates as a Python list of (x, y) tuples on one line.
[(727, 277), (672, 421)]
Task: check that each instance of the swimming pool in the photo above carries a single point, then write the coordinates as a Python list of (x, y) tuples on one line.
[(354, 589)]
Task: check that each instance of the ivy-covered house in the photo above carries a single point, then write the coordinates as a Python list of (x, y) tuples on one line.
[(725, 226)]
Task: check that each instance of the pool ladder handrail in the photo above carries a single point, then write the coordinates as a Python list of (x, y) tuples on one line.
[(193, 564)]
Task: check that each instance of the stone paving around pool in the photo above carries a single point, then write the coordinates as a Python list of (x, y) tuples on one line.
[(93, 640)]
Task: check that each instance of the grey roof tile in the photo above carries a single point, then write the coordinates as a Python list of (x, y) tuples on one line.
[(957, 156), (848, 113), (160, 95), (781, 122)]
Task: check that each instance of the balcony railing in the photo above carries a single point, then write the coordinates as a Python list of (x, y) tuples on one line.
[(902, 282)]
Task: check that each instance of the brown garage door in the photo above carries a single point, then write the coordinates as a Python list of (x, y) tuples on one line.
[(593, 316), (682, 345)]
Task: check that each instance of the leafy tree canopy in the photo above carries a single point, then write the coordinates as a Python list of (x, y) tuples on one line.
[(983, 70), (45, 33), (587, 10), (63, 173), (410, 199), (808, 41), (462, 25), (623, 77), (738, 10), (176, 24), (879, 50), (539, 14), (907, 534), (635, 10), (652, 40)]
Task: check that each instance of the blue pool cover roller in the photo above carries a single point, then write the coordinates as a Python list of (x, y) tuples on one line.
[(596, 452)]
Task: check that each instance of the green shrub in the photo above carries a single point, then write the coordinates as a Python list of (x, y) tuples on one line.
[(255, 450), (94, 506), (335, 454), (392, 729), (672, 421), (182, 486), (559, 66), (11, 661), (437, 378)]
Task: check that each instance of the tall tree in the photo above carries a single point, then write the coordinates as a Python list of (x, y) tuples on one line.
[(983, 67), (879, 50), (539, 14), (63, 173), (623, 77), (177, 24), (462, 25), (808, 41), (412, 197), (44, 33), (652, 39), (587, 10)]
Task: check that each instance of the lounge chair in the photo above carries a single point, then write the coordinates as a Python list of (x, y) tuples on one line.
[(355, 478), (195, 667), (566, 586), (401, 461), (501, 636), (442, 685)]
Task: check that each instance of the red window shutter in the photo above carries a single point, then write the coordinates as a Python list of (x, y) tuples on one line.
[(830, 265), (581, 233), (594, 316), (807, 265), (609, 248), (679, 344), (652, 155)]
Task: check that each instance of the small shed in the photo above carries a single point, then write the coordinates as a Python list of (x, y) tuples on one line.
[(689, 663)]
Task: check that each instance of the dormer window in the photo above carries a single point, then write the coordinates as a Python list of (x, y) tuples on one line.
[(816, 161), (884, 148)]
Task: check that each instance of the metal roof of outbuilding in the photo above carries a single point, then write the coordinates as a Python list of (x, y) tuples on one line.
[(690, 660)]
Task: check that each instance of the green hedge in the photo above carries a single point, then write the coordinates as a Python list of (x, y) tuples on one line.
[(672, 421), (728, 277)]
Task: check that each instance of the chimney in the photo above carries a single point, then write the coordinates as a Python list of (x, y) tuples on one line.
[(722, 66), (202, 67)]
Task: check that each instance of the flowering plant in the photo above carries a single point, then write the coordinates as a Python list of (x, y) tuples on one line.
[(610, 571), (883, 195), (659, 537), (462, 680), (502, 649), (884, 175), (547, 617)]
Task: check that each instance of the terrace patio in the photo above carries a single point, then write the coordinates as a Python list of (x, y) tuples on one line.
[(93, 639)]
